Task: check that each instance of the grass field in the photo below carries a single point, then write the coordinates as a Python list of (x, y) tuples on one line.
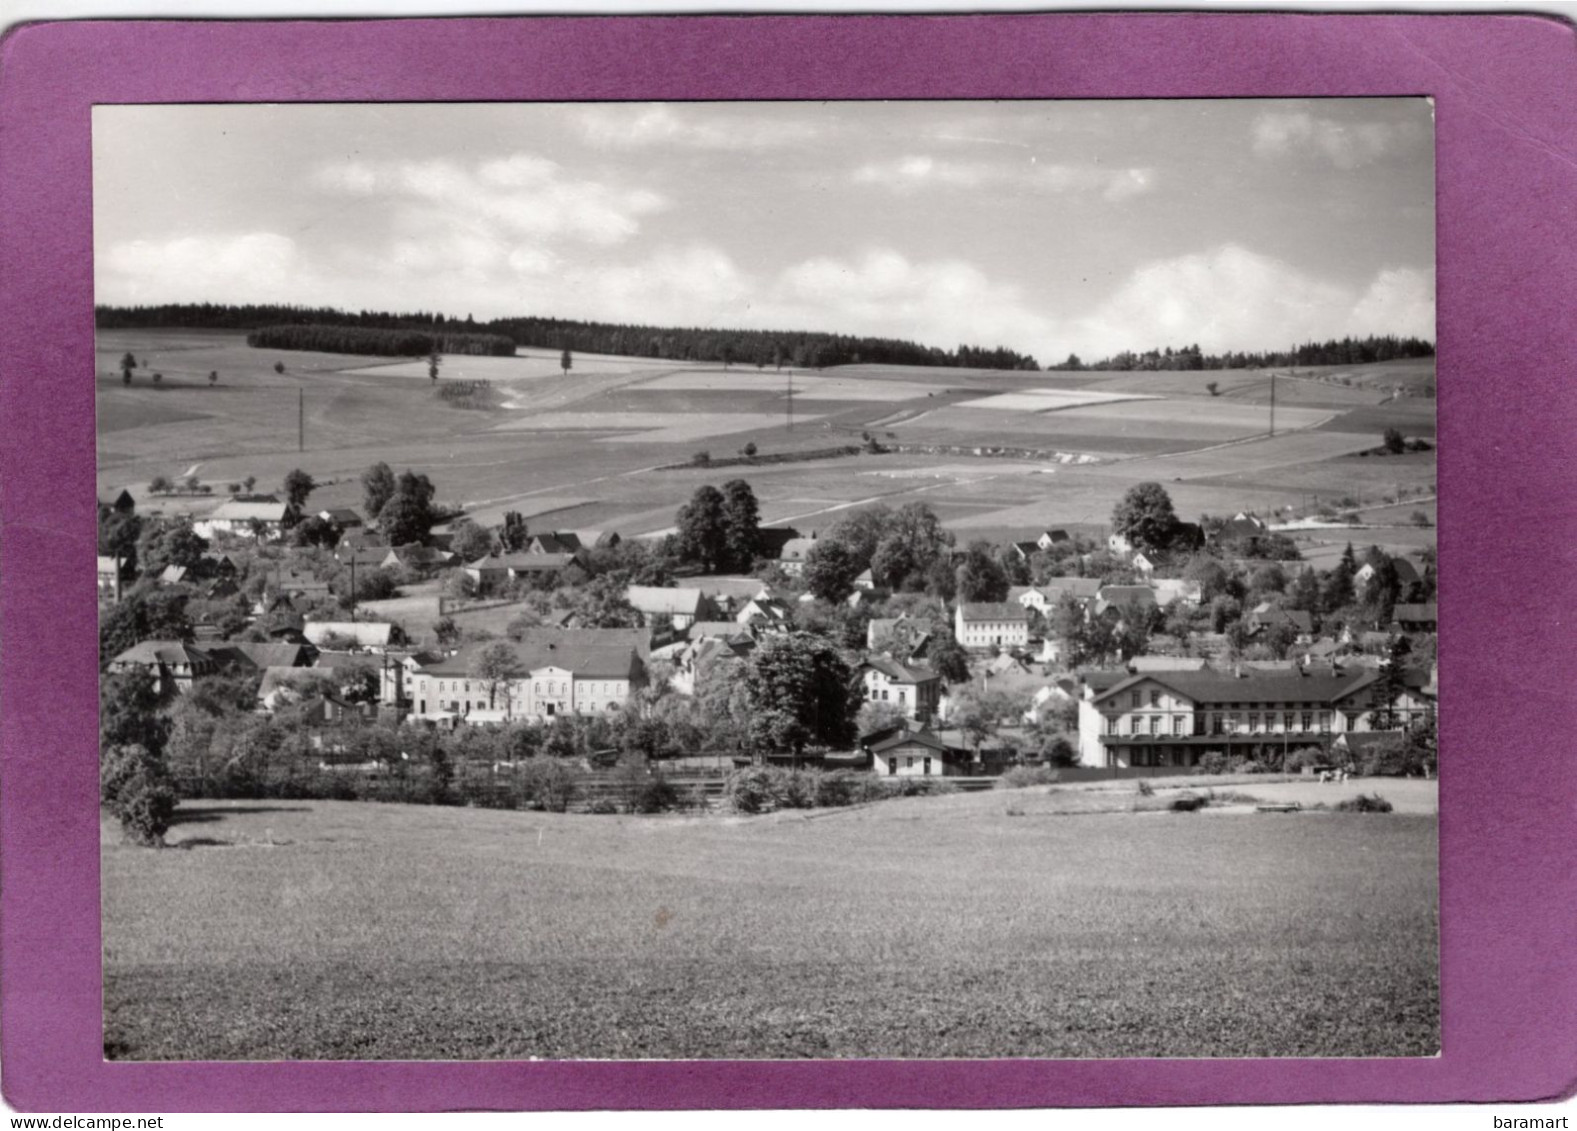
[(934, 927), (582, 448)]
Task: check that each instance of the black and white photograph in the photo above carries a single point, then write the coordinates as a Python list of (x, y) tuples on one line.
[(919, 580)]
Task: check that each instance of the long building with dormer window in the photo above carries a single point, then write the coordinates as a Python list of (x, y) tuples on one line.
[(1173, 718), (558, 672)]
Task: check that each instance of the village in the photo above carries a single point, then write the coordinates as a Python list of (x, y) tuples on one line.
[(1171, 647)]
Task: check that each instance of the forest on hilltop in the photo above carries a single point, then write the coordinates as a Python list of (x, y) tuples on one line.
[(800, 348)]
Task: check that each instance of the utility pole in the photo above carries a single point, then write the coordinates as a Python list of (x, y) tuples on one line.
[(301, 420)]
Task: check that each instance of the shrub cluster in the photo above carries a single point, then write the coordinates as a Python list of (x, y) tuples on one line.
[(1021, 777), (1364, 803), (761, 789)]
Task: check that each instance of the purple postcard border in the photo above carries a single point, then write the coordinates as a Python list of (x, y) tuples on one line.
[(1505, 89)]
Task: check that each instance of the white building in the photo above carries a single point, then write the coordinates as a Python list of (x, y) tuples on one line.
[(987, 624), (556, 672)]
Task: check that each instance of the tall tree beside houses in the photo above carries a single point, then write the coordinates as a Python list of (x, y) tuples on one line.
[(513, 534), (408, 517), (170, 543), (741, 524), (119, 535), (1389, 685), (800, 694), (377, 485), (980, 577), (830, 569), (1144, 516), (703, 529), (298, 485), (1339, 581)]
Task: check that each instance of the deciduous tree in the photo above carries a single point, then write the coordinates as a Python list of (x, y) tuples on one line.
[(830, 570), (298, 485), (703, 529), (799, 694), (741, 524), (1145, 517), (377, 485)]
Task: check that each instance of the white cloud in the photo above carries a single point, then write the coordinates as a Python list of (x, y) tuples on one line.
[(1400, 301), (1347, 145), (1235, 299), (916, 172), (173, 270), (522, 196), (640, 126), (939, 302)]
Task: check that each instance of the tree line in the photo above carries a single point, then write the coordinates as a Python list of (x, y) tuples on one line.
[(1346, 351), (326, 338), (798, 348)]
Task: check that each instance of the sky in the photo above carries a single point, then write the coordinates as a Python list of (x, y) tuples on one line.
[(1047, 227)]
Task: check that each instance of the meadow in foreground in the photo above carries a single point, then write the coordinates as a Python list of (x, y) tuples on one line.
[(930, 927)]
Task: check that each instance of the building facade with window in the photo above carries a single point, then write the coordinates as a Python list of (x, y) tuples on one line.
[(912, 688), (555, 672), (1000, 624), (1173, 718)]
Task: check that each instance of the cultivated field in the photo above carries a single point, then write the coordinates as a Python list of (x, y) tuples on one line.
[(931, 927), (581, 450)]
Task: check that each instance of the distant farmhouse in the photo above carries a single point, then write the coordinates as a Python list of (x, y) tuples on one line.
[(266, 521)]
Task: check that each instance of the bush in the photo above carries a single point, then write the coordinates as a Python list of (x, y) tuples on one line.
[(1021, 777), (1213, 762), (1145, 788), (547, 783), (761, 789), (701, 459), (1188, 803), (1304, 756), (135, 786), (602, 807), (1364, 803)]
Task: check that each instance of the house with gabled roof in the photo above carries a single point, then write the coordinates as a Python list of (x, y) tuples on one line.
[(267, 521), (1415, 617), (792, 555), (358, 538), (913, 688), (1123, 597), (1081, 589), (555, 542), (417, 557), (1406, 572), (342, 517), (173, 664), (1266, 616), (910, 752), (683, 606), (765, 614), (498, 568)]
